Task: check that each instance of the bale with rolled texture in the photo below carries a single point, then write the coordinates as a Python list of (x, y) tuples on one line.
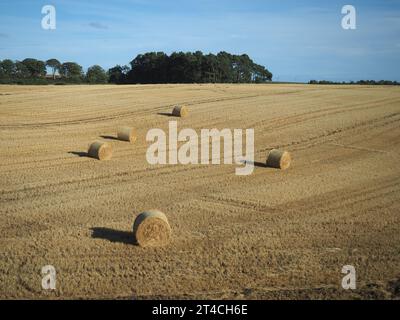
[(278, 159), (180, 111), (151, 229), (127, 134), (100, 150)]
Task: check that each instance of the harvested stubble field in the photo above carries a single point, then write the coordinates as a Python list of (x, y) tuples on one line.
[(272, 234)]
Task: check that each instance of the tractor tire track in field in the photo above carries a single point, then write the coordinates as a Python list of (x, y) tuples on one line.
[(137, 112), (373, 123), (329, 202), (121, 115), (283, 122)]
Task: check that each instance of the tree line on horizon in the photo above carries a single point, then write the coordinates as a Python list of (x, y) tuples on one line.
[(33, 71), (151, 67), (360, 82)]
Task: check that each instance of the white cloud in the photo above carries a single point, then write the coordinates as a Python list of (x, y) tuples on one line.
[(98, 25)]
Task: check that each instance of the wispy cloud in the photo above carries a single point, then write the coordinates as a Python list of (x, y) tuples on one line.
[(3, 35), (98, 25)]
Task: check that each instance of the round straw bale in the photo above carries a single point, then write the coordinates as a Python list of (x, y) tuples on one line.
[(100, 150), (180, 111), (278, 159), (151, 229), (127, 134)]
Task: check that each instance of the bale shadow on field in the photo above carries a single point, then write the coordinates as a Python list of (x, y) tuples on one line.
[(79, 153), (167, 114), (109, 137), (394, 288), (255, 163), (113, 235)]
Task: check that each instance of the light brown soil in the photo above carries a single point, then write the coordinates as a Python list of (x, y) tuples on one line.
[(273, 234)]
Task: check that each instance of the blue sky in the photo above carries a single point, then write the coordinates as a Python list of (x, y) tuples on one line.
[(297, 40)]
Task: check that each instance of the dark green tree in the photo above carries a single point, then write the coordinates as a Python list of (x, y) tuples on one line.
[(151, 67), (118, 74), (7, 68), (71, 71), (225, 67), (178, 68), (55, 66), (210, 69), (35, 67), (96, 74), (22, 71)]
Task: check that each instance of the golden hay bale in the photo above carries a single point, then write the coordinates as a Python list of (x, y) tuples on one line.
[(151, 229), (127, 134), (278, 159), (100, 150), (180, 111)]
